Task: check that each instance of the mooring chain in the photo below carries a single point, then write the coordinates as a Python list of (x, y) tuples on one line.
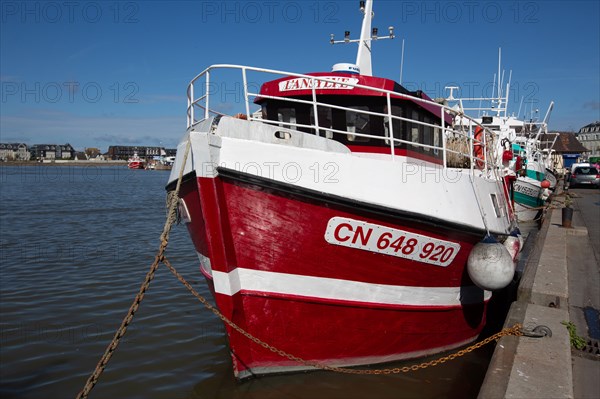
[(514, 330), (160, 257), (164, 242)]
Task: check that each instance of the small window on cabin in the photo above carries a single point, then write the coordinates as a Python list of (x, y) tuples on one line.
[(357, 122), (325, 120), (287, 115), (497, 208), (428, 133), (414, 128), (396, 127)]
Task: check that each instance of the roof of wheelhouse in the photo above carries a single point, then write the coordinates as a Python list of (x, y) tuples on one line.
[(295, 87)]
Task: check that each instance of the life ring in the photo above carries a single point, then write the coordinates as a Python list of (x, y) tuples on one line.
[(478, 152)]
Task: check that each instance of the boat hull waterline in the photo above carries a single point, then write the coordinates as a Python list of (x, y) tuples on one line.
[(528, 199)]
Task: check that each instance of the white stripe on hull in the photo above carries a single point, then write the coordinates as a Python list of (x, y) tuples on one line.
[(242, 279)]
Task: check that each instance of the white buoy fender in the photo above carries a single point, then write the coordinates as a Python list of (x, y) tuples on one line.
[(490, 265), (520, 237), (545, 194), (513, 245)]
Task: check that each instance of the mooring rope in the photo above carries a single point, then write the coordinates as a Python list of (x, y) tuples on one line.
[(164, 241)]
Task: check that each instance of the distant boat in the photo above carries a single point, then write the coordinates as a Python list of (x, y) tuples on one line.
[(160, 163), (163, 166), (135, 162)]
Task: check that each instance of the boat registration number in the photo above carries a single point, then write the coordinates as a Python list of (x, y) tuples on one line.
[(525, 190), (381, 239)]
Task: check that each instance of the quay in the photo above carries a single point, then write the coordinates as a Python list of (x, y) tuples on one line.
[(63, 162), (560, 284)]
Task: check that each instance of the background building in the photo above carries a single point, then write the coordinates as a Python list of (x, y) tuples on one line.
[(14, 152), (589, 137), (52, 151), (567, 149), (123, 152)]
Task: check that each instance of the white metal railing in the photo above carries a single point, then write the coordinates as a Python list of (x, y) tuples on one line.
[(198, 109)]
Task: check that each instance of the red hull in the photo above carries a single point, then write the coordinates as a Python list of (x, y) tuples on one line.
[(254, 234), (136, 165)]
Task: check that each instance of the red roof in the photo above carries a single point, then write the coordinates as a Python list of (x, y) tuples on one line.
[(566, 143)]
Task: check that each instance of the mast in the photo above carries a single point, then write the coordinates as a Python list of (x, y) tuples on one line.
[(499, 82), (401, 62), (363, 56), (544, 124), (367, 35)]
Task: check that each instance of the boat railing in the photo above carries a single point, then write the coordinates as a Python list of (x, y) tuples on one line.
[(199, 103)]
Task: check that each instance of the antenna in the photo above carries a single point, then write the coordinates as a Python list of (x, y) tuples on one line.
[(402, 63), (519, 113), (545, 121), (451, 88), (494, 91), (499, 63), (547, 117), (507, 91), (363, 56)]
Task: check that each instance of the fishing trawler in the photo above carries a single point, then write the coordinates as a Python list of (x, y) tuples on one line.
[(535, 180), (328, 221), (522, 157), (135, 162)]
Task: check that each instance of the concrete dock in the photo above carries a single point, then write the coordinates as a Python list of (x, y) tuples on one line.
[(560, 284)]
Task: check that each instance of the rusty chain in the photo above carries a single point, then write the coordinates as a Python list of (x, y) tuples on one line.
[(159, 257), (514, 330)]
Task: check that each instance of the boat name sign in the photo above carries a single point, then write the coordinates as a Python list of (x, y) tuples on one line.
[(381, 239), (339, 83)]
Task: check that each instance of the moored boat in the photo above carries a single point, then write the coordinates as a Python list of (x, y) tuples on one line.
[(328, 222), (521, 157), (135, 162)]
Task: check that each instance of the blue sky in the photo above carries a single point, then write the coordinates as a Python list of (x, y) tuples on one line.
[(100, 73)]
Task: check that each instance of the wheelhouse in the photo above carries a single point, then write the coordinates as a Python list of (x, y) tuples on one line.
[(361, 118)]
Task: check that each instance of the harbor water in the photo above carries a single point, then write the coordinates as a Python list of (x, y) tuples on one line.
[(75, 245)]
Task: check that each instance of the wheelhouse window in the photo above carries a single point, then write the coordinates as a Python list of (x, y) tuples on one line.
[(287, 115), (357, 122), (365, 121), (397, 127), (427, 133), (325, 119)]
